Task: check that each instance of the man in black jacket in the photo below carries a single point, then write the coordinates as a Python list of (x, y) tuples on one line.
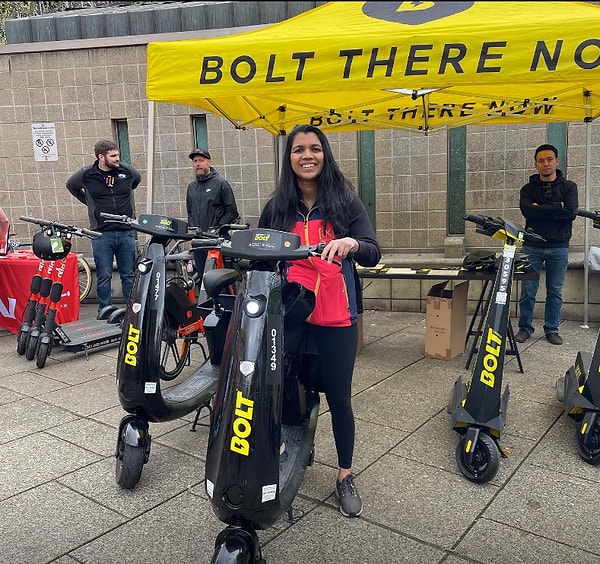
[(107, 186), (548, 202), (209, 200)]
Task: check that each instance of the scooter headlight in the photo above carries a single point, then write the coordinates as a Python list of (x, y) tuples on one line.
[(144, 266), (254, 306)]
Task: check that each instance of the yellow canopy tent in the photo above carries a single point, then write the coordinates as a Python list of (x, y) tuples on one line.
[(379, 65)]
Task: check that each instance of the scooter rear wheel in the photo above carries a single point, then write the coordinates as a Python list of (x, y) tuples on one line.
[(589, 450), (85, 278), (485, 462), (174, 354)]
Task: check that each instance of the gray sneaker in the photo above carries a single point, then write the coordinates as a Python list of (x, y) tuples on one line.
[(522, 336), (350, 502), (554, 338)]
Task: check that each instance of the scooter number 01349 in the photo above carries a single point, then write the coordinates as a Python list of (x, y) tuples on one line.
[(273, 350)]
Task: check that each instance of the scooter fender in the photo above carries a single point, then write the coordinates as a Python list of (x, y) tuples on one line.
[(460, 416), (471, 438), (242, 461), (587, 425), (574, 401), (134, 432)]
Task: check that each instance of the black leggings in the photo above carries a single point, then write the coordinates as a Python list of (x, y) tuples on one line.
[(337, 352)]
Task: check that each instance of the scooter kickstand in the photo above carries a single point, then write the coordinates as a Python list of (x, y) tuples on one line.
[(195, 423)]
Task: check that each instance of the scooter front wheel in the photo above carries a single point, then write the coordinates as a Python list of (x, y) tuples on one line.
[(22, 338), (589, 447), (129, 466), (32, 345), (485, 460), (560, 389), (42, 354)]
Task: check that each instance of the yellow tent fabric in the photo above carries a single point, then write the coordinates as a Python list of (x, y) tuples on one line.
[(379, 65)]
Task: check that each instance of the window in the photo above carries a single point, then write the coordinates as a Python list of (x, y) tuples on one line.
[(200, 132), (122, 139)]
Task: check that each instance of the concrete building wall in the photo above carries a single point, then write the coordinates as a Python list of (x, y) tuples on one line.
[(83, 86)]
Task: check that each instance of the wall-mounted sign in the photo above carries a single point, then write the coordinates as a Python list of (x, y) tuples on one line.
[(44, 141)]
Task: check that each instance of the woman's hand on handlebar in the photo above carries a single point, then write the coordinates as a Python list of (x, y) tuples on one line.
[(341, 247)]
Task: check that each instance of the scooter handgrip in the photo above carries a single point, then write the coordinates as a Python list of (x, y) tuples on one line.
[(184, 255), (589, 214), (90, 233), (42, 222), (474, 218), (114, 216), (209, 243)]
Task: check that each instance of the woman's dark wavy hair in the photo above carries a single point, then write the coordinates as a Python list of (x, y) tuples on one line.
[(334, 193)]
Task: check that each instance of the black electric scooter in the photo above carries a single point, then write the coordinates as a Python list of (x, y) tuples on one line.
[(579, 390), (40, 332), (158, 309), (250, 481), (478, 408)]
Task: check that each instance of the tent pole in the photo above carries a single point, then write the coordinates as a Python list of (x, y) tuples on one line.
[(586, 268), (150, 157)]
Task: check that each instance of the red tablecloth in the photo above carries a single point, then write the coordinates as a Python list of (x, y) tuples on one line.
[(16, 271)]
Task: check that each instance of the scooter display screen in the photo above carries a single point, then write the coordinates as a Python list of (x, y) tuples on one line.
[(160, 224), (267, 244)]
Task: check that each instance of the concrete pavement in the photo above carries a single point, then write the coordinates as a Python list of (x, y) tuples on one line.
[(59, 501)]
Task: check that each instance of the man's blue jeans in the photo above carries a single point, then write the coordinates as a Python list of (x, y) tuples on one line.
[(119, 245), (555, 262)]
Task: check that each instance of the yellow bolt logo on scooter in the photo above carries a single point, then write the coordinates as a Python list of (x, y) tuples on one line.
[(133, 339), (244, 409), (490, 361)]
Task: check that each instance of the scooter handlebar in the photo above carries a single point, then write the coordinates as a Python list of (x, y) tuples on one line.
[(219, 230), (490, 226), (71, 229)]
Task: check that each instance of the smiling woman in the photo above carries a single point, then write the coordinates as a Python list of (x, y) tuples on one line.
[(314, 200)]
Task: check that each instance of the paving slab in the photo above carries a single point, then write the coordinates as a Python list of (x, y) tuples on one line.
[(59, 501)]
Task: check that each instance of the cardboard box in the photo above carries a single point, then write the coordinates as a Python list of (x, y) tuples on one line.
[(446, 321)]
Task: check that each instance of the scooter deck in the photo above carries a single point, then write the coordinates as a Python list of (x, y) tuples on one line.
[(86, 334), (201, 384)]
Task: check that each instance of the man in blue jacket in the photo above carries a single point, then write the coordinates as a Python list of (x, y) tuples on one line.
[(209, 200), (548, 202), (107, 186)]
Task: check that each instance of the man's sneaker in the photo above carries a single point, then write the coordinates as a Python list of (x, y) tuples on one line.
[(554, 338), (522, 336), (350, 502)]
